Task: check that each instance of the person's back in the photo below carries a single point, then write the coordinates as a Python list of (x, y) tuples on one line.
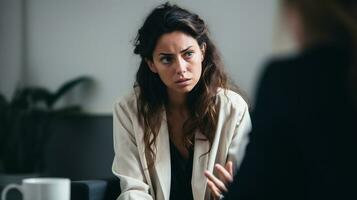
[(325, 117), (312, 130), (303, 142)]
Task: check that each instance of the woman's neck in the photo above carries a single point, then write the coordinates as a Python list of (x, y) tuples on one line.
[(177, 101)]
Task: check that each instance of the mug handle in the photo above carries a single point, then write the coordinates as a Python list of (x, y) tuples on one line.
[(9, 187)]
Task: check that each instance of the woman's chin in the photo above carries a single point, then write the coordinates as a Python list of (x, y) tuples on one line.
[(185, 89)]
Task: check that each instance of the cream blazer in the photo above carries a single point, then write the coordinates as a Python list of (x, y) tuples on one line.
[(130, 163)]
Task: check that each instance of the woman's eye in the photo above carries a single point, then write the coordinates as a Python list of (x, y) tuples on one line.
[(166, 60), (189, 54)]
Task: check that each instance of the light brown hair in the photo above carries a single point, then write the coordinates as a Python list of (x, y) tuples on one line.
[(333, 21)]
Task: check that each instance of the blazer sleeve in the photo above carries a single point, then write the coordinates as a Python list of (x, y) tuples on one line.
[(127, 165), (240, 138)]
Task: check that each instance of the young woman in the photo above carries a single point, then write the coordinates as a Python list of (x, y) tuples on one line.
[(181, 132)]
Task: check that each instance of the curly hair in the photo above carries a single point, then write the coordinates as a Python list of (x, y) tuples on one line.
[(152, 98)]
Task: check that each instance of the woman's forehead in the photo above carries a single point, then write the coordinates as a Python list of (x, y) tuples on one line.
[(175, 42)]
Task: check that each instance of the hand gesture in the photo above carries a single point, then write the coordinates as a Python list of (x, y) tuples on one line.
[(219, 185)]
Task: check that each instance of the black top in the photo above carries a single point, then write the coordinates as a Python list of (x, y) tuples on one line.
[(304, 139), (181, 174)]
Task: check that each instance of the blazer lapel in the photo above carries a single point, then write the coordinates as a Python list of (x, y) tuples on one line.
[(163, 161), (200, 160)]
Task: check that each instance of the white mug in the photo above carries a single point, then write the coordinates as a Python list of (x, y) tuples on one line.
[(42, 189)]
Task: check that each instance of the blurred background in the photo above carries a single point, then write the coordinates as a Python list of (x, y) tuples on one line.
[(45, 42)]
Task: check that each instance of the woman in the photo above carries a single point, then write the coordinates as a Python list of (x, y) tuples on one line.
[(182, 123), (303, 144)]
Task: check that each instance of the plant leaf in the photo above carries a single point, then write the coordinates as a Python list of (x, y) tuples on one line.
[(28, 98), (66, 87)]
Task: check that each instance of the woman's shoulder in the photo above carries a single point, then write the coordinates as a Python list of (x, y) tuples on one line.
[(313, 59), (128, 101), (231, 98)]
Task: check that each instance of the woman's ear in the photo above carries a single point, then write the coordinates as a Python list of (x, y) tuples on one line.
[(151, 65), (203, 51)]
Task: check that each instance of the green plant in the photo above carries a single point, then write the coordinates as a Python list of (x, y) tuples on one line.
[(23, 123)]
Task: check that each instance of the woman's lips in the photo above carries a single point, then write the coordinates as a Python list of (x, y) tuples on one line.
[(183, 82)]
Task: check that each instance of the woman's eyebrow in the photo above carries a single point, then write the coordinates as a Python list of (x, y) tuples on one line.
[(185, 49), (165, 54), (169, 54)]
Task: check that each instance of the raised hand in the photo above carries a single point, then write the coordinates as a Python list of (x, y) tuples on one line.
[(219, 184)]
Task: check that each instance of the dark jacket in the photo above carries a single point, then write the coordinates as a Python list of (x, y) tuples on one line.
[(303, 144)]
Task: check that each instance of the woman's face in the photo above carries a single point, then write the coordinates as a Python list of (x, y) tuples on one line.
[(177, 59)]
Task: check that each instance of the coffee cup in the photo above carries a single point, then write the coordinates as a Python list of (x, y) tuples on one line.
[(41, 189)]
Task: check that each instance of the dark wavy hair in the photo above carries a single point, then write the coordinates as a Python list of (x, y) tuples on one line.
[(152, 98)]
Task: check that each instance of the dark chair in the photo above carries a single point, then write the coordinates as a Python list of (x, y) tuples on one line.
[(80, 147)]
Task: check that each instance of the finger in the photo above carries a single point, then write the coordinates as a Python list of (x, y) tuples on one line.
[(219, 184), (222, 173), (216, 193), (229, 167), (225, 176)]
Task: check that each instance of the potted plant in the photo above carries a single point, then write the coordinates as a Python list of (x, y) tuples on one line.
[(23, 121)]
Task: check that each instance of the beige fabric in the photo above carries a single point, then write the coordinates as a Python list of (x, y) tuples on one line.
[(130, 164)]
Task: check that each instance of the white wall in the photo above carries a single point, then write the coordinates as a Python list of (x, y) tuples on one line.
[(68, 38), (11, 54)]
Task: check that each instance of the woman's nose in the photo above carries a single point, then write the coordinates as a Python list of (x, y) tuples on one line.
[(181, 66)]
